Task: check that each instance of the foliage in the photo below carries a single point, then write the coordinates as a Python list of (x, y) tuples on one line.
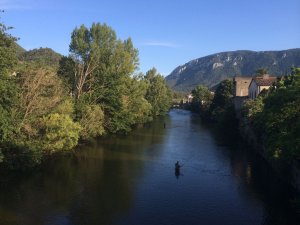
[(222, 108), (178, 97), (134, 107), (99, 70), (202, 99), (139, 107), (8, 100), (99, 58), (280, 119), (59, 133), (8, 89), (7, 51), (158, 94), (261, 71), (91, 121), (66, 107), (45, 109), (275, 116), (43, 56), (252, 108), (67, 72), (41, 92)]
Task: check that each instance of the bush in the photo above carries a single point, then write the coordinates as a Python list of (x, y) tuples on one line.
[(92, 118), (59, 133)]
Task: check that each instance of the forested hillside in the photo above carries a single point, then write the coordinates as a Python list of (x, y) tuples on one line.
[(44, 56)]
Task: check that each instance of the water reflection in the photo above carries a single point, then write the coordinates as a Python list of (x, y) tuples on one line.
[(93, 186), (130, 180)]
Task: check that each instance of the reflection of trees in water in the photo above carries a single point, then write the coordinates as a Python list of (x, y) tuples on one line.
[(93, 186), (257, 182), (256, 177)]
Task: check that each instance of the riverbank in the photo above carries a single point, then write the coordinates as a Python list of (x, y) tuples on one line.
[(269, 123), (288, 171)]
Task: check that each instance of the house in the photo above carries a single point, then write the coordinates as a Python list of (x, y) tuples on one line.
[(260, 83), (241, 90)]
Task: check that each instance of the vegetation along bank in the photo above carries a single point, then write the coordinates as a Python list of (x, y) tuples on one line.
[(268, 120), (48, 106)]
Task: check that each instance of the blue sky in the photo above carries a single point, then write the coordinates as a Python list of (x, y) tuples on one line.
[(168, 33)]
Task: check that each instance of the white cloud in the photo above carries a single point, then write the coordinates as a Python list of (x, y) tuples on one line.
[(160, 44)]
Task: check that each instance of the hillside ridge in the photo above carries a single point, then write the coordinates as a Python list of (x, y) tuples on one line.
[(212, 69)]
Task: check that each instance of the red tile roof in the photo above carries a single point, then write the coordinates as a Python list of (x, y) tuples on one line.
[(265, 81)]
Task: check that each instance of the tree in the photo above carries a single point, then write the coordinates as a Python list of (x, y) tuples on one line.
[(252, 108), (139, 107), (91, 121), (261, 71), (135, 108), (96, 54), (60, 133), (279, 121), (8, 89), (97, 71), (222, 108), (8, 57), (202, 99), (158, 94), (44, 110), (41, 92), (8, 100)]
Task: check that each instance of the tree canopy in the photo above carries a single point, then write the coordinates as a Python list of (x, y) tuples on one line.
[(46, 108), (202, 99), (275, 116)]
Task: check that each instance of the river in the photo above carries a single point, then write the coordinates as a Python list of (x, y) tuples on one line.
[(130, 180)]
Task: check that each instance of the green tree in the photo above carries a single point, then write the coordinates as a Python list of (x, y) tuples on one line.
[(8, 89), (279, 121), (202, 99), (8, 57), (60, 133), (222, 108), (98, 70), (261, 71), (252, 108), (158, 94), (91, 121), (135, 108), (41, 92)]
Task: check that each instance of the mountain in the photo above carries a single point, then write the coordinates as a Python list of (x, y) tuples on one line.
[(45, 56), (212, 69)]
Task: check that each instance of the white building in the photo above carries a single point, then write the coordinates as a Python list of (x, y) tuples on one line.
[(260, 83)]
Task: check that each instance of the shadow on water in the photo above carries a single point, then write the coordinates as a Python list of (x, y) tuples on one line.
[(280, 200), (93, 185), (129, 179)]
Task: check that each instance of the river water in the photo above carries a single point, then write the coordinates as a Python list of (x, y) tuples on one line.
[(130, 180)]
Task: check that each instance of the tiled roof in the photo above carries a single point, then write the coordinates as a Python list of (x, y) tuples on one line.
[(265, 81)]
